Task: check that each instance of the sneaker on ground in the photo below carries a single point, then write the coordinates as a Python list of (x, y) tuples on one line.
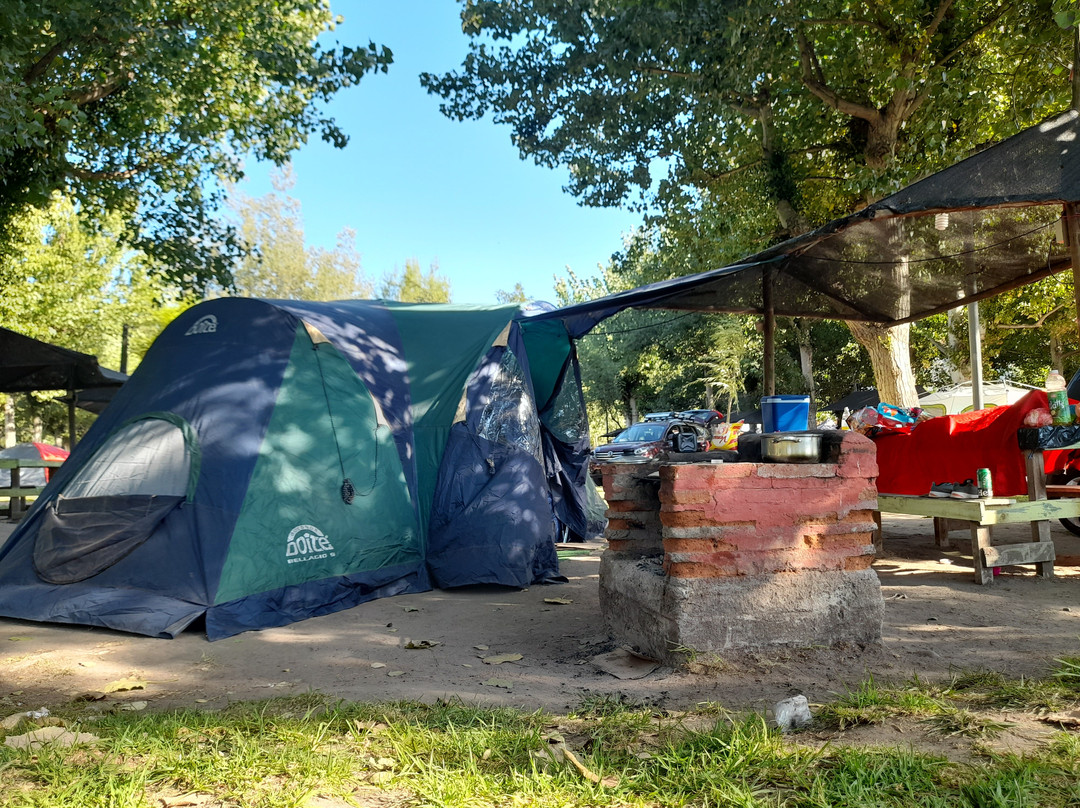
[(941, 489), (965, 490)]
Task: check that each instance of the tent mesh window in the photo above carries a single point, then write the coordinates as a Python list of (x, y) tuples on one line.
[(114, 502), (510, 415), (566, 416)]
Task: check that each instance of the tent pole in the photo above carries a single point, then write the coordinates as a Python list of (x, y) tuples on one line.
[(769, 333), (975, 349)]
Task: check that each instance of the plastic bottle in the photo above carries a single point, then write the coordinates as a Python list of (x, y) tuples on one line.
[(1060, 412)]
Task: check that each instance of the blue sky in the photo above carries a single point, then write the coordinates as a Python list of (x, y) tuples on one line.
[(414, 184)]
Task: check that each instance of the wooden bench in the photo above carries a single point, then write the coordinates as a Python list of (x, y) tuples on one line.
[(1043, 504), (17, 493), (979, 515)]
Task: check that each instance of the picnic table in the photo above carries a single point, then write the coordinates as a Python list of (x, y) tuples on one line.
[(17, 493), (1042, 504)]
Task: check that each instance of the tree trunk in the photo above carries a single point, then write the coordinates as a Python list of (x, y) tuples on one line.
[(37, 430), (1056, 352), (890, 357), (806, 363), (959, 368)]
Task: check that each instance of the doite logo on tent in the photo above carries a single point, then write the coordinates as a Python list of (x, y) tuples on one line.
[(204, 325), (307, 543)]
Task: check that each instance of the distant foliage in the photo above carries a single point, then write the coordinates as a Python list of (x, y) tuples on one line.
[(413, 285), (278, 264)]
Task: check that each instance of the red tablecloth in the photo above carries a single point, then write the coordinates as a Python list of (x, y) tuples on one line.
[(953, 448)]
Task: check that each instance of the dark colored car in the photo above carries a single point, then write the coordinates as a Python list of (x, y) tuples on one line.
[(648, 440), (708, 418)]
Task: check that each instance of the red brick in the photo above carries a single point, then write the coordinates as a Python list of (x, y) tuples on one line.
[(624, 505), (632, 524), (795, 470), (691, 497), (853, 442), (690, 570), (694, 518), (857, 465), (812, 483), (695, 475), (696, 546)]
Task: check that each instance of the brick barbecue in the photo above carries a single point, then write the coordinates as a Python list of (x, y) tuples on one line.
[(706, 557)]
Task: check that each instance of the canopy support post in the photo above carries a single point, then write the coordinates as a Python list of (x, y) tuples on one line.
[(1072, 236), (769, 332), (975, 350), (71, 420)]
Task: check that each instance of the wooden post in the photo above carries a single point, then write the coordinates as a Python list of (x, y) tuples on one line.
[(1072, 236), (71, 419), (124, 336), (769, 332)]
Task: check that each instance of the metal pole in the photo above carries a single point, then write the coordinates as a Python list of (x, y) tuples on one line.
[(975, 348)]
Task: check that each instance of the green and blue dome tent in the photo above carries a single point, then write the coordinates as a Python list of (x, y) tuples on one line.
[(271, 461)]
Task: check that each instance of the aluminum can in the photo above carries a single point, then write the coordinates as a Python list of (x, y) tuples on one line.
[(1060, 411), (984, 483)]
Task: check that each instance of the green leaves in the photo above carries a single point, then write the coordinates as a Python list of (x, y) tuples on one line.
[(139, 106)]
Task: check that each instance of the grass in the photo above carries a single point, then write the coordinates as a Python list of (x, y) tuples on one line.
[(287, 752)]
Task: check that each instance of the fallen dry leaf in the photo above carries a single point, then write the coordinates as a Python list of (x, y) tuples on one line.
[(499, 659), (121, 685), (1069, 719), (191, 798), (414, 645), (58, 736), (560, 601), (503, 683)]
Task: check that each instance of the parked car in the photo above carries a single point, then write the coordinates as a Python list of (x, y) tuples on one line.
[(708, 418), (649, 440)]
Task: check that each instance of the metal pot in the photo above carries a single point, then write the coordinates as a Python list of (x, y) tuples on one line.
[(791, 447)]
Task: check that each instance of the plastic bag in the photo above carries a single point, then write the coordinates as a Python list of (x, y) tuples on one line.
[(864, 421), (727, 436), (885, 418), (1038, 417)]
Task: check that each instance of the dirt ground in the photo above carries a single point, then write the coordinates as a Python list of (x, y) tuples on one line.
[(429, 646)]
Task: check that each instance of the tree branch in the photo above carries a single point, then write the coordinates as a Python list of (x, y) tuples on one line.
[(660, 71), (39, 68), (988, 24), (96, 92), (932, 29), (96, 176), (1037, 324), (816, 85), (848, 21)]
